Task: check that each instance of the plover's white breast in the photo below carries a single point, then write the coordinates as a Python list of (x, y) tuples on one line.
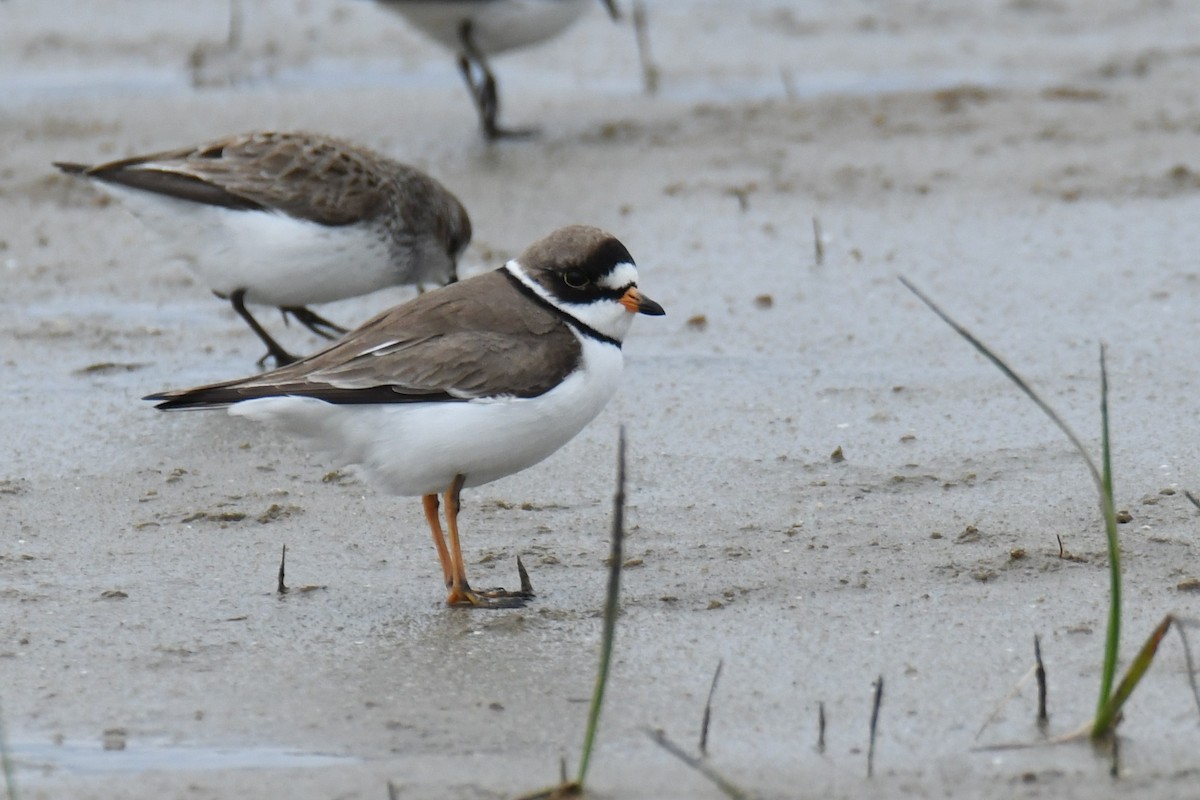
[(417, 448)]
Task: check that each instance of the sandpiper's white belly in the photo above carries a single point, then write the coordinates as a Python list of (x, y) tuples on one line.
[(496, 25), (418, 448), (279, 260)]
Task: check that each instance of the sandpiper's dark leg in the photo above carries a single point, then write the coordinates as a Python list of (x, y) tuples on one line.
[(483, 87), (314, 321), (282, 357)]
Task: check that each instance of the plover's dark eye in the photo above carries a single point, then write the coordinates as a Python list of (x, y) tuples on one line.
[(575, 278)]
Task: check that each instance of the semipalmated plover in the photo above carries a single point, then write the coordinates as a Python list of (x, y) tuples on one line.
[(476, 29), (461, 385), (289, 219)]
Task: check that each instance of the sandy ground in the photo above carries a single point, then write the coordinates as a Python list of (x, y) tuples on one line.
[(1033, 165)]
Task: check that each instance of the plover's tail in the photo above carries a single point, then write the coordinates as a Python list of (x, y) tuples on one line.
[(204, 397)]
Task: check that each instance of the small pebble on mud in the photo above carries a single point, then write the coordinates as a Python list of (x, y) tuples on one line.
[(969, 534)]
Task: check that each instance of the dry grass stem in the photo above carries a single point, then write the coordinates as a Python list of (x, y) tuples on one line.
[(1004, 701), (698, 764)]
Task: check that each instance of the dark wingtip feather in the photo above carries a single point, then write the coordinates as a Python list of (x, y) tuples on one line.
[(162, 400), (190, 399)]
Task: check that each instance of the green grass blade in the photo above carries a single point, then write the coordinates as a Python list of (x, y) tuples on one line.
[(1104, 487), (1107, 715), (611, 609), (1112, 639)]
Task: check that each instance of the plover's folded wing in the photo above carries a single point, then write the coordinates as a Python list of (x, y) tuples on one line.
[(463, 342)]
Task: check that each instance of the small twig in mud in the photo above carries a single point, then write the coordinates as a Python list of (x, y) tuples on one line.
[(821, 727), (1191, 497), (641, 32), (874, 726), (818, 242), (1115, 768), (281, 587), (1042, 718), (712, 689), (701, 766)]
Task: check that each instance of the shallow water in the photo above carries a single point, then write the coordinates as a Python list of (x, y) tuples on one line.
[(20, 88), (75, 758)]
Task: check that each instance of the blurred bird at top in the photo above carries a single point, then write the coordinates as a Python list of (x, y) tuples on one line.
[(476, 29)]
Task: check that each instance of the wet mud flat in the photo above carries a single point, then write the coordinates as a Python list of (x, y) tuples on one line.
[(1033, 167)]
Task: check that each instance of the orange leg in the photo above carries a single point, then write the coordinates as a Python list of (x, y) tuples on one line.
[(461, 592), (430, 501)]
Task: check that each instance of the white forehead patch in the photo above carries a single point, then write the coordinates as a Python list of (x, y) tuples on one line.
[(622, 275)]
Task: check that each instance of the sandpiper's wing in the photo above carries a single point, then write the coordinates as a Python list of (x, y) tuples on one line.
[(308, 176)]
